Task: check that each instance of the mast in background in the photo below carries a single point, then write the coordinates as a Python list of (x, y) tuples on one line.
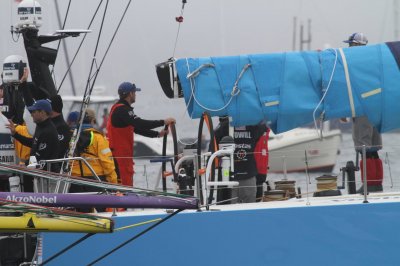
[(302, 39)]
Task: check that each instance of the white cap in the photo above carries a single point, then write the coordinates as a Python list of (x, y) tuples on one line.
[(357, 37)]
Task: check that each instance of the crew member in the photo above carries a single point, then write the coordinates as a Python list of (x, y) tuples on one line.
[(261, 157), (122, 125), (44, 143), (246, 158), (246, 138), (94, 147), (63, 130), (364, 133)]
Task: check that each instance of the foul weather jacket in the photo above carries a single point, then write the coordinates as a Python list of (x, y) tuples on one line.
[(99, 156), (121, 126), (21, 151)]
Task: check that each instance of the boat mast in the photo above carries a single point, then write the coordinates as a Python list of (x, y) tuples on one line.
[(302, 38)]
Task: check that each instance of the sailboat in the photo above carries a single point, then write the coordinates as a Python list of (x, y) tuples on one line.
[(355, 229), (363, 227)]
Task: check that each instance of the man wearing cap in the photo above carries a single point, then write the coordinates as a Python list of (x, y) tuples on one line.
[(122, 125), (94, 147), (72, 119), (44, 144), (364, 133)]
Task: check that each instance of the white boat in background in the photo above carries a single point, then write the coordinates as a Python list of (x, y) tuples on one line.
[(301, 148), (286, 150)]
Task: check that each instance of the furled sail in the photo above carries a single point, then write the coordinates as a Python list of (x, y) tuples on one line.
[(291, 89)]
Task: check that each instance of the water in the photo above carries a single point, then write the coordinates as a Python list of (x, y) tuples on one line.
[(148, 175)]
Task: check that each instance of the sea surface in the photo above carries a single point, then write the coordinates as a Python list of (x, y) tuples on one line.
[(148, 175)]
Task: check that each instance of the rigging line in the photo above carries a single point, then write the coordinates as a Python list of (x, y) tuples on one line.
[(326, 90), (80, 45), (90, 82), (137, 224), (65, 19), (66, 54), (115, 33), (67, 248), (86, 95), (135, 237), (179, 20), (96, 49)]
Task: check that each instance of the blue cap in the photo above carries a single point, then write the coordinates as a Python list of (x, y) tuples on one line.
[(73, 117), (41, 105), (126, 87)]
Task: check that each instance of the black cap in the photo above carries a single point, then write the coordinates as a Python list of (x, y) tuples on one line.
[(56, 103)]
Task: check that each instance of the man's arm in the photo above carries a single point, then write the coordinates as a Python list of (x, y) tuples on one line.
[(26, 141), (123, 117)]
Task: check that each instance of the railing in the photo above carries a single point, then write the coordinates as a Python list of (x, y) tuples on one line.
[(148, 175)]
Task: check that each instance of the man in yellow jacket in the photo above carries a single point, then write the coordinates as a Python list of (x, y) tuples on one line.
[(96, 151)]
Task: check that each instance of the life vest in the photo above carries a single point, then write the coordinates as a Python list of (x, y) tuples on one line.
[(261, 153), (120, 138)]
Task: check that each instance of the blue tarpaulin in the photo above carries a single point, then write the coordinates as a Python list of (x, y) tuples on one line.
[(288, 90)]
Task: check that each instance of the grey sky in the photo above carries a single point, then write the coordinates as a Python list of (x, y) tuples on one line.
[(210, 28)]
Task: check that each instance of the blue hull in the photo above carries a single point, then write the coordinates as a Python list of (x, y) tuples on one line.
[(348, 234)]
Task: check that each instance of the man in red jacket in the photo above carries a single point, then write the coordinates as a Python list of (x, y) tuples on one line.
[(122, 125), (261, 157)]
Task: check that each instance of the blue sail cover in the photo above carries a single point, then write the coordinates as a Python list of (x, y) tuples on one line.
[(290, 89)]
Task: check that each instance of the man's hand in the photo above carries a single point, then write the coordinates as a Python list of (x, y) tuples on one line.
[(25, 76), (168, 121), (163, 132), (11, 126)]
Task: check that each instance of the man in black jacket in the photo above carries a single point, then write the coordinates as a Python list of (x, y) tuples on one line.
[(44, 144), (63, 130), (245, 138)]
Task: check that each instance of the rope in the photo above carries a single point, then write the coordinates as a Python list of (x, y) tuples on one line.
[(193, 85), (63, 26), (79, 47), (179, 20), (326, 91), (85, 103), (137, 224)]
